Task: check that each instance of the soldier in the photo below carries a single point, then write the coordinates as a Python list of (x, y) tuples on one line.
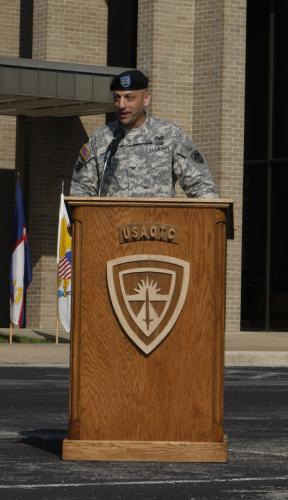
[(139, 155)]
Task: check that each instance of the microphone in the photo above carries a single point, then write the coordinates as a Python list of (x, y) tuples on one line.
[(113, 146), (119, 134)]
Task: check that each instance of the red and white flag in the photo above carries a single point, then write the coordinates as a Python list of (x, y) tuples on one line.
[(21, 268)]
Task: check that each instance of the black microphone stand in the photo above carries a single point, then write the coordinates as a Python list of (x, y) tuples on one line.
[(110, 152)]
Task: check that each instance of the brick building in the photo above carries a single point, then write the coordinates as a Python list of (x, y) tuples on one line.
[(200, 56)]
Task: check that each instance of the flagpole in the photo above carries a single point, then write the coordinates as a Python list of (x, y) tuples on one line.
[(57, 307), (57, 327), (11, 331), (57, 312)]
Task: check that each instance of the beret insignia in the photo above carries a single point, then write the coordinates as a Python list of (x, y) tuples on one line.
[(125, 81), (130, 80)]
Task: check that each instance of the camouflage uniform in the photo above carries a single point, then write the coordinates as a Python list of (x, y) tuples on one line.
[(147, 163)]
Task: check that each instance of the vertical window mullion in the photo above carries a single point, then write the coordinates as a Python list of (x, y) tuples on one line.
[(269, 165)]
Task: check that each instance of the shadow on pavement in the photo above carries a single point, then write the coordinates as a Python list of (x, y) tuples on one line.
[(45, 439), (50, 337)]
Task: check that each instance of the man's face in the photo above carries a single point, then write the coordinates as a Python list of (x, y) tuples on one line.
[(130, 106)]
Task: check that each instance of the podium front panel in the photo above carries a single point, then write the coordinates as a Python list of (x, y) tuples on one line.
[(141, 372)]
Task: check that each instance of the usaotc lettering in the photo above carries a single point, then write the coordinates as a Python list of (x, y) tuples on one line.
[(162, 230), (171, 233), (136, 232), (143, 233), (125, 232)]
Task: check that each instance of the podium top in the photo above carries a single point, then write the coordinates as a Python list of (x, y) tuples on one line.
[(220, 203)]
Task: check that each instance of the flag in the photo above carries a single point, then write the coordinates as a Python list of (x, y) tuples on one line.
[(64, 262), (21, 269)]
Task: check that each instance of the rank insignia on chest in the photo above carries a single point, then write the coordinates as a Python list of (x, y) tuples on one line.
[(159, 140)]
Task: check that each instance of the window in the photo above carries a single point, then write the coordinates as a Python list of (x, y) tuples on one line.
[(265, 203)]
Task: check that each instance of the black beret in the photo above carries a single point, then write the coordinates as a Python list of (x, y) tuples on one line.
[(130, 80)]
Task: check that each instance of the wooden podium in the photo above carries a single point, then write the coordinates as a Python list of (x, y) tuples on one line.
[(147, 344)]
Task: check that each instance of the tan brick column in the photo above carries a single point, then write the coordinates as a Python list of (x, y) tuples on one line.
[(165, 53), (194, 53), (232, 148), (218, 116), (9, 46), (67, 32)]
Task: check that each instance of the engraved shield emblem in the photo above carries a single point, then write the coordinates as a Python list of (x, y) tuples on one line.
[(147, 293)]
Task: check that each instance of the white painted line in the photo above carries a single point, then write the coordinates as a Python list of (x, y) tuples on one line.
[(8, 434), (31, 434), (143, 483), (255, 452)]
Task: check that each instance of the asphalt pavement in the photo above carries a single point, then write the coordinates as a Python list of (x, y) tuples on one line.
[(34, 417)]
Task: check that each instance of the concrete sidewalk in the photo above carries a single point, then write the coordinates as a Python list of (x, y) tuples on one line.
[(256, 349), (241, 349)]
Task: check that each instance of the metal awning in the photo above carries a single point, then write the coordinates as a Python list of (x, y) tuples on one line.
[(31, 87)]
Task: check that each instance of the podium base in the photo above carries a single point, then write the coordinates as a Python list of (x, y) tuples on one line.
[(145, 451)]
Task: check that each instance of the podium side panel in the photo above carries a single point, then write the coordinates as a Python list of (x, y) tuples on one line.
[(75, 348), (220, 286)]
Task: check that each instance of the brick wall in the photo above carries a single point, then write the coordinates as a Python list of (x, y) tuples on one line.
[(165, 52), (9, 24), (232, 151), (9, 46), (218, 116), (194, 53), (51, 161), (69, 32)]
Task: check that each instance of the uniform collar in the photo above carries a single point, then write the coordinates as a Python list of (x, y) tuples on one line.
[(139, 135)]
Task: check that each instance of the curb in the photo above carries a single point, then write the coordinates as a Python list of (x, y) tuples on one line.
[(58, 355), (256, 358)]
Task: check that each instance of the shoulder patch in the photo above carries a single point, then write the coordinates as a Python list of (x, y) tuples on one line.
[(85, 152), (197, 157)]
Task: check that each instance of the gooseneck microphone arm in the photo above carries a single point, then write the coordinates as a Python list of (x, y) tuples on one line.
[(110, 152)]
